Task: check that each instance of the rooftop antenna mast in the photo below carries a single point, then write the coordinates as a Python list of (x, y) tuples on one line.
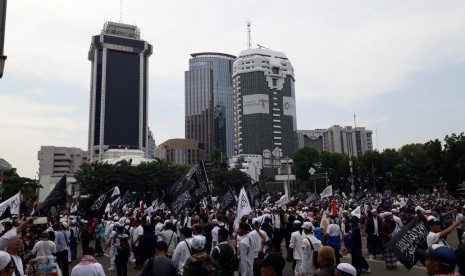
[(121, 11), (355, 121), (249, 43)]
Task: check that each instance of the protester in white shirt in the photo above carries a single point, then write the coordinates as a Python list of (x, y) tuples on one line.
[(44, 247), (295, 246), (245, 251), (183, 250), (88, 266), (310, 244), (435, 235)]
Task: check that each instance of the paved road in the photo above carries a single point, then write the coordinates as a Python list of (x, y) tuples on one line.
[(377, 266)]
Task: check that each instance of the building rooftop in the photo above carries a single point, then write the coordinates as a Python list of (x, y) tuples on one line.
[(120, 29)]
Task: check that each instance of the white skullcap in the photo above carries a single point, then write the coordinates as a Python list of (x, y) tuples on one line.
[(347, 268), (5, 259), (198, 242)]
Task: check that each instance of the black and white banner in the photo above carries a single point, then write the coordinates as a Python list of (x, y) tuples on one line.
[(13, 202), (405, 243)]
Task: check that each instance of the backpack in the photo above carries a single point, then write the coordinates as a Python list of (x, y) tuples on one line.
[(122, 248), (226, 257)]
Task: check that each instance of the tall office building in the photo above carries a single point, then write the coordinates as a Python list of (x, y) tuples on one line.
[(209, 102), (264, 103), (119, 90)]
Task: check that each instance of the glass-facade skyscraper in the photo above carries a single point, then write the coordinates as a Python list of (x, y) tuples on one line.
[(209, 102), (264, 103), (119, 90)]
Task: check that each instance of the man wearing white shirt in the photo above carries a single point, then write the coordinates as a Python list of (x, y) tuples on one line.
[(183, 250), (310, 244), (136, 235), (245, 251), (44, 247), (295, 247), (88, 266)]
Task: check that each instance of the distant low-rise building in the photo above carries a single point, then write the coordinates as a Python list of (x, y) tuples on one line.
[(4, 165), (180, 152), (54, 162), (346, 140)]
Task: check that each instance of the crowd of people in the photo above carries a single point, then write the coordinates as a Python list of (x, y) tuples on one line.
[(312, 237)]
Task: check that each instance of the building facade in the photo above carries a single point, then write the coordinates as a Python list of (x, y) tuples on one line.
[(4, 165), (346, 140), (264, 103), (180, 152), (209, 102), (119, 90), (151, 146), (54, 162)]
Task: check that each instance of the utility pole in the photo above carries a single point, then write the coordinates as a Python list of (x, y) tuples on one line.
[(2, 35)]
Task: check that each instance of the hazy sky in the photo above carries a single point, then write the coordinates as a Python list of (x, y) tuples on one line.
[(399, 64)]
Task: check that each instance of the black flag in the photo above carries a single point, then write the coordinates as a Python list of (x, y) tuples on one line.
[(227, 201), (187, 191), (405, 243), (56, 197), (6, 214), (360, 194), (254, 192), (101, 202)]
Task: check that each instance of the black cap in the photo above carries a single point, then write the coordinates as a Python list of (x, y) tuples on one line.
[(274, 260)]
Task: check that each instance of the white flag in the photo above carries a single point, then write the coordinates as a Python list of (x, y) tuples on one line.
[(243, 207), (327, 192), (283, 200), (13, 202), (357, 212), (402, 203), (344, 195)]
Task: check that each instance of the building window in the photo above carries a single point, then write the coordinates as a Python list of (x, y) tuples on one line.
[(275, 82), (275, 70)]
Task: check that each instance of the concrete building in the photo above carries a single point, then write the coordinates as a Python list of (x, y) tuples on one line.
[(251, 164), (209, 102), (346, 140), (151, 146), (4, 165), (54, 162), (119, 90), (180, 152), (264, 103)]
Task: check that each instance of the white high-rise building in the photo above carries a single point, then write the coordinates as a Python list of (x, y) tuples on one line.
[(346, 140), (54, 162)]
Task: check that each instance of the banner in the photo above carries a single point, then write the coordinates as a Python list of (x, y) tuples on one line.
[(327, 192), (227, 200), (114, 199), (254, 191), (100, 205), (283, 200), (405, 243), (312, 198), (243, 207), (360, 194), (13, 202), (187, 191), (356, 213), (56, 197)]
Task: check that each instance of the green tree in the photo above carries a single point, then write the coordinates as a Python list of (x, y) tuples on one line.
[(223, 178), (13, 183)]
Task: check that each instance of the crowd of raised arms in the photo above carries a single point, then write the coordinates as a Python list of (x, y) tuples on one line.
[(310, 237)]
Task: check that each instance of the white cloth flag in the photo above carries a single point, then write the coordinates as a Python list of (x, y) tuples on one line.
[(357, 212), (327, 192), (13, 202), (243, 207), (283, 200)]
